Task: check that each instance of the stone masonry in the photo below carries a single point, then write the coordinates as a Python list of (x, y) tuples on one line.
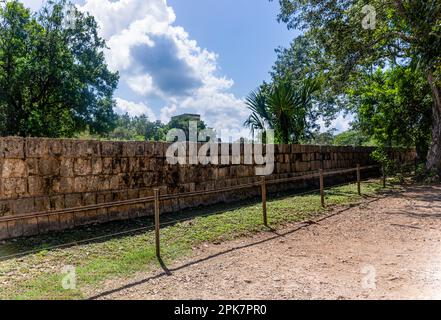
[(42, 175)]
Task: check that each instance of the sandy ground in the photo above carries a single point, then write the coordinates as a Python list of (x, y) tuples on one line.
[(386, 248)]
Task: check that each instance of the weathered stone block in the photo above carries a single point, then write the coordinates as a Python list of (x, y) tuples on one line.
[(42, 204), (67, 167), (12, 147), (83, 184), (67, 185), (107, 148), (25, 205), (57, 202), (14, 168), (82, 167), (30, 227), (14, 187), (43, 224), (6, 208), (67, 221), (97, 166), (4, 230), (15, 228), (87, 148), (72, 200), (89, 199), (49, 166), (37, 147)]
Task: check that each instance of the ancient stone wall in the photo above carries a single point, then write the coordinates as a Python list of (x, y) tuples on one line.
[(38, 176)]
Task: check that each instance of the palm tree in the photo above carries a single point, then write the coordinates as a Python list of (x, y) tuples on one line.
[(284, 107), (259, 118)]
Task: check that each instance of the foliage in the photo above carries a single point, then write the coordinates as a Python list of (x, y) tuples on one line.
[(394, 107), (53, 77), (352, 137), (182, 123), (137, 128), (285, 106), (356, 38)]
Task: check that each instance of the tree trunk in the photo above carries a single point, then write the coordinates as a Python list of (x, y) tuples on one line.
[(434, 155)]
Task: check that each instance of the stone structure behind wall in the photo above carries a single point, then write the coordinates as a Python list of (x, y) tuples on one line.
[(40, 175)]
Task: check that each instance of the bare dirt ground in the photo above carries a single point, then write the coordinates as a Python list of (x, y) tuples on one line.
[(386, 248)]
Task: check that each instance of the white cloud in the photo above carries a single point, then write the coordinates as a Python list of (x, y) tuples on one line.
[(156, 58), (133, 108), (341, 123)]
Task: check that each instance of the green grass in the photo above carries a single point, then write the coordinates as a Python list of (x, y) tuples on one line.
[(38, 275)]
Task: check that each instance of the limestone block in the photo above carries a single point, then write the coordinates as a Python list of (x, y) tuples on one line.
[(5, 208), (15, 228), (49, 166), (67, 167), (57, 202), (107, 148), (97, 166), (82, 167), (87, 148), (42, 204), (107, 165), (73, 200), (43, 224), (4, 230), (67, 185), (83, 184), (30, 227), (14, 168), (89, 198), (13, 187), (129, 149), (12, 147), (24, 205), (67, 221)]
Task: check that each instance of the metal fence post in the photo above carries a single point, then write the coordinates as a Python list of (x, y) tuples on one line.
[(358, 180), (322, 188), (384, 176), (157, 222), (263, 187)]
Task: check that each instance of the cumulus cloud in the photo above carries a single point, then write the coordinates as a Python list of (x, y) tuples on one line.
[(133, 108), (156, 58)]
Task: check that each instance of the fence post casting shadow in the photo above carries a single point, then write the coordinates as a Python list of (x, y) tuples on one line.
[(322, 188), (358, 180), (265, 217), (157, 221)]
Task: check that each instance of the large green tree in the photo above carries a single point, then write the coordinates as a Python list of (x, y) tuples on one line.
[(394, 107), (357, 36), (53, 77)]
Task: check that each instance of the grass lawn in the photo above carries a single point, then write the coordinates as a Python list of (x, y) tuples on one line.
[(39, 275)]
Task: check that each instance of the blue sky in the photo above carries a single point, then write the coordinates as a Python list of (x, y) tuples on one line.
[(198, 56)]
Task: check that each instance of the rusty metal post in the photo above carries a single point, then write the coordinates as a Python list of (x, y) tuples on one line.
[(358, 180), (383, 170), (157, 222), (322, 188), (263, 187)]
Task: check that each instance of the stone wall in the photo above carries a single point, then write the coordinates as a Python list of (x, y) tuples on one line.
[(40, 175)]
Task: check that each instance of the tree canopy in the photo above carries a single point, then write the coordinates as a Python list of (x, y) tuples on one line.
[(356, 37), (54, 81)]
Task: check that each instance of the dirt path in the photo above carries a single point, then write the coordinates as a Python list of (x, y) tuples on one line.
[(388, 248)]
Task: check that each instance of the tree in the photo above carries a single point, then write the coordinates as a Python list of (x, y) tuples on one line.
[(53, 77), (359, 37), (183, 122), (137, 128), (284, 106), (352, 137), (394, 108)]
